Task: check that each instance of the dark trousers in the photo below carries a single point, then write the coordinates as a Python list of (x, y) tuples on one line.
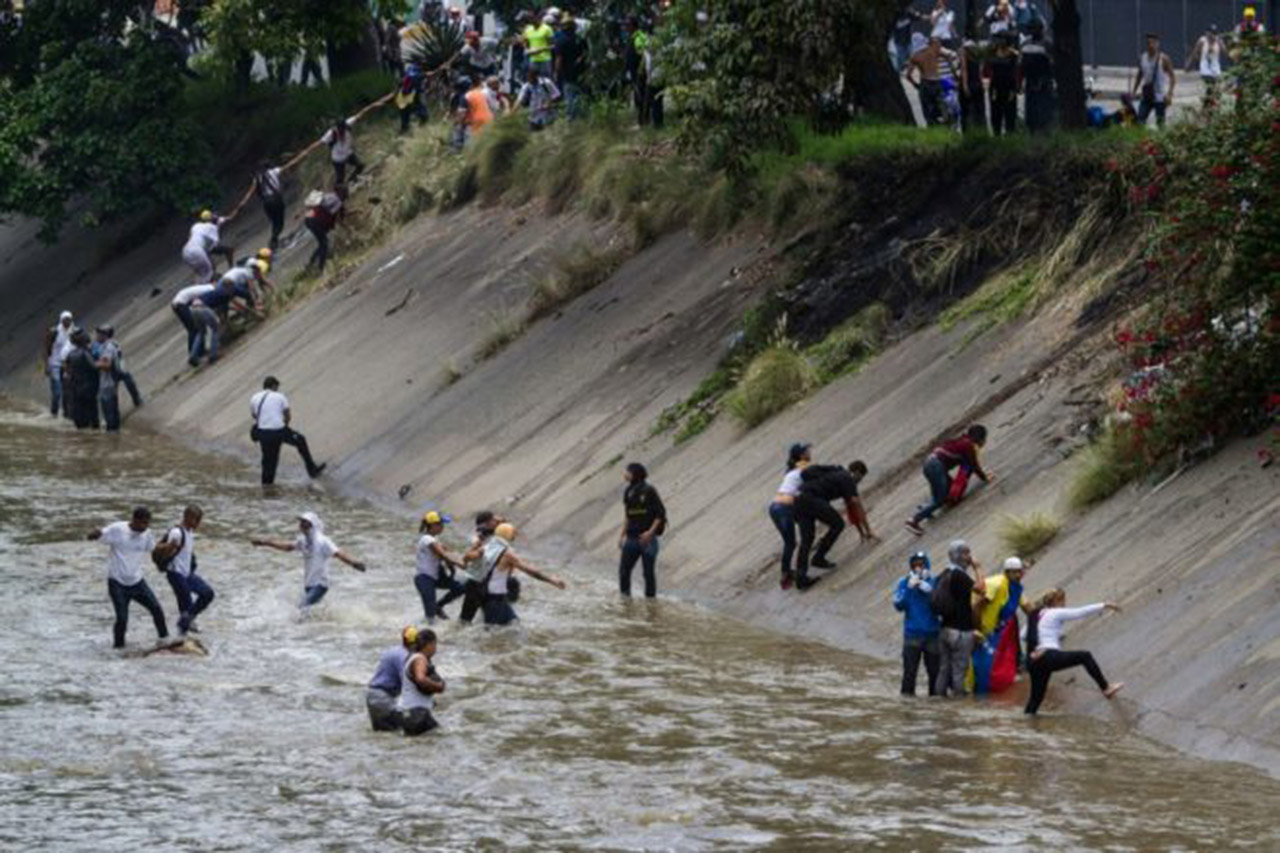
[(809, 511), (121, 595), (270, 441), (935, 472), (498, 611), (633, 552), (132, 387), (84, 410), (1148, 105), (973, 111), (340, 169), (321, 255), (274, 209), (383, 714), (417, 108), (931, 101), (418, 721), (784, 518), (1004, 111), (1053, 660), (109, 400), (915, 647), (427, 587), (473, 600), (192, 594)]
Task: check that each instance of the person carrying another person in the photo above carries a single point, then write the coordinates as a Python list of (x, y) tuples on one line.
[(57, 344), (537, 38), (419, 682), (819, 486), (381, 697), (951, 600), (1045, 656), (324, 211), (176, 557), (316, 550), (501, 563), (272, 419), (920, 625), (644, 522), (474, 587), (80, 370), (1154, 81), (203, 242), (435, 567), (959, 453), (268, 183), (995, 655), (130, 543), (782, 512), (926, 71), (539, 96), (342, 151), (1207, 56)]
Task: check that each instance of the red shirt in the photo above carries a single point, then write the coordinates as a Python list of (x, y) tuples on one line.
[(960, 451)]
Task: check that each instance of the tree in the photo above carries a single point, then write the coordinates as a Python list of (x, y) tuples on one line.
[(741, 73), (1068, 64), (91, 116)]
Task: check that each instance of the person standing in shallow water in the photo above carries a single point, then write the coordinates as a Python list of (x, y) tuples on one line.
[(919, 624), (1044, 646), (316, 549), (644, 523), (272, 428), (381, 698), (435, 567), (177, 552), (420, 683), (501, 563), (131, 543)]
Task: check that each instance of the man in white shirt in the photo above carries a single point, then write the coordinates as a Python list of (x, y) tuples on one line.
[(203, 242), (182, 305), (57, 343), (271, 416), (177, 552), (316, 550), (131, 544)]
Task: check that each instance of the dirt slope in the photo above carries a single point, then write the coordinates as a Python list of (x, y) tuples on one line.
[(542, 428)]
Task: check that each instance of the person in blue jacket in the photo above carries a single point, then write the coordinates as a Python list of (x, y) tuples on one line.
[(920, 624)]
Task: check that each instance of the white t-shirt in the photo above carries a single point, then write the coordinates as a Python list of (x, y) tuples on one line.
[(181, 563), (1049, 628), (268, 408), (340, 147), (315, 558), (428, 562), (204, 236), (944, 26), (791, 482), (61, 346), (190, 294), (129, 551)]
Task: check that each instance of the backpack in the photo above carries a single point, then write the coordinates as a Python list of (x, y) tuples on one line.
[(941, 601), (162, 562)]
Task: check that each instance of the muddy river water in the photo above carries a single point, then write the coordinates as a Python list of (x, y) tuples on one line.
[(595, 724)]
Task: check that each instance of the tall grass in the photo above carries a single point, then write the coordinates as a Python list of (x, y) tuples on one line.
[(1027, 535), (775, 379), (1103, 469), (849, 345), (574, 274)]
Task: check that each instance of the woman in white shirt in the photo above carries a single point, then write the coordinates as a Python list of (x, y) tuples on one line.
[(782, 510), (1044, 645)]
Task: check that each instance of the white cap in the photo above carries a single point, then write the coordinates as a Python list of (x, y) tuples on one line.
[(65, 315), (1014, 564)]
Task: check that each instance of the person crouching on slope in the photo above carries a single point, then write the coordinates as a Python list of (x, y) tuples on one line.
[(819, 486), (961, 453)]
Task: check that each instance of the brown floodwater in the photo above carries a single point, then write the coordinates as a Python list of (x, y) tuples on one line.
[(596, 724)]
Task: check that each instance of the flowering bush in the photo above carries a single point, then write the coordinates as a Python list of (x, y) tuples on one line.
[(1203, 352)]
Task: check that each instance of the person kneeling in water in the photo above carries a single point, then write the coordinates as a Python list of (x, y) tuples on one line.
[(1044, 653), (419, 682), (385, 686), (501, 563)]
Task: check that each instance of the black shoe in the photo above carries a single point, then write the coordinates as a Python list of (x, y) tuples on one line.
[(822, 563), (442, 616), (803, 584), (318, 470)]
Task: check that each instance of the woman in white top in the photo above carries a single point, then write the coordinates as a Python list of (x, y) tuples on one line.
[(782, 510), (1044, 645), (419, 683)]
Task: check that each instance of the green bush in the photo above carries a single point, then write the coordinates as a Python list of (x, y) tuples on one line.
[(494, 154), (1026, 536), (849, 345), (773, 380)]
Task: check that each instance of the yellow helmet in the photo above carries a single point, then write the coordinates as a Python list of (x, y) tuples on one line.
[(265, 254), (409, 636), (206, 215), (434, 517), (261, 266)]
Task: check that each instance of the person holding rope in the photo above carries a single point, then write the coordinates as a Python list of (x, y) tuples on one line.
[(342, 150)]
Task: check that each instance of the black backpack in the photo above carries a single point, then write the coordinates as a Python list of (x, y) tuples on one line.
[(941, 601), (163, 563)]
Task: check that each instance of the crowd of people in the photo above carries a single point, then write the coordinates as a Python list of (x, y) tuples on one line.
[(85, 374)]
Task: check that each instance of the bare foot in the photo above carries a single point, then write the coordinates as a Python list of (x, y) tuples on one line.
[(1111, 691)]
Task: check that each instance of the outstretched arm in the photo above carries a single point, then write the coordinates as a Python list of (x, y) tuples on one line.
[(350, 561), (286, 547), (517, 563)]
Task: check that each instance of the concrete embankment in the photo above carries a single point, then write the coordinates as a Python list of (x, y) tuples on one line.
[(384, 378)]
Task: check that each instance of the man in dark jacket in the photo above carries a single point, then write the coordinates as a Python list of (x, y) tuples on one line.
[(646, 521), (819, 486), (82, 370), (955, 588)]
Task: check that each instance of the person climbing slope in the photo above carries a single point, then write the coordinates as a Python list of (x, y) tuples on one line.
[(819, 486), (782, 510), (1044, 646), (959, 453), (203, 242)]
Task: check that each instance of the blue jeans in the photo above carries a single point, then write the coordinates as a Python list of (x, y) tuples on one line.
[(55, 389), (109, 400), (121, 595), (633, 552), (574, 103), (784, 518), (935, 471), (206, 324), (193, 596), (427, 587), (498, 611), (313, 594)]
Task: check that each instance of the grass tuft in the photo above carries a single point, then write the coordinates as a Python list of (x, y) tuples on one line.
[(503, 325), (848, 346), (574, 274), (1026, 536), (776, 378), (1103, 469)]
